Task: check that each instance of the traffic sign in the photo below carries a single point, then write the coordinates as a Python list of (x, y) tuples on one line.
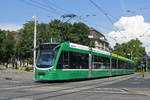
[(143, 65)]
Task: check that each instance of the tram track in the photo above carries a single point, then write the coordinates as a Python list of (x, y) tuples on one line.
[(41, 84), (70, 90), (37, 84), (29, 86)]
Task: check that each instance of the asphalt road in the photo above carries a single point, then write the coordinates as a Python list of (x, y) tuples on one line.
[(19, 85)]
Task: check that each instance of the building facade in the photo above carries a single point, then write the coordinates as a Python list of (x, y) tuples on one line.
[(100, 40)]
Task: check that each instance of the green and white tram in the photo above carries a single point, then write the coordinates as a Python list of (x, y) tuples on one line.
[(66, 61)]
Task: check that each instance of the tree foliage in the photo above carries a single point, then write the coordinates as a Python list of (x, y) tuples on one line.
[(7, 46), (79, 34), (25, 41), (132, 50), (2, 35)]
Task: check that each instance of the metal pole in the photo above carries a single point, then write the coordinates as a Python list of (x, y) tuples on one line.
[(146, 64), (34, 41), (90, 63), (90, 57), (131, 55)]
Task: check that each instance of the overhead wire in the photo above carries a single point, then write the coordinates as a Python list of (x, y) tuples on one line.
[(83, 18), (39, 6), (51, 4), (95, 25), (54, 5), (106, 15), (103, 11), (45, 5)]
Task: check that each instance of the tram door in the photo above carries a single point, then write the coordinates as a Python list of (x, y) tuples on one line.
[(110, 66), (90, 65)]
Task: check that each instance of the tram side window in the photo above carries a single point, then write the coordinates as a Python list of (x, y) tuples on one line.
[(131, 66), (73, 60), (97, 62), (60, 62), (85, 61), (78, 60), (122, 65), (101, 62), (128, 65), (114, 64), (125, 65), (119, 64), (63, 62), (107, 63)]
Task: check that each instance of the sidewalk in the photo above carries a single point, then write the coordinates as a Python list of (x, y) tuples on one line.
[(13, 74)]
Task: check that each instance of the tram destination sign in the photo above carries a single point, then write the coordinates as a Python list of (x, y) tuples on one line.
[(78, 46)]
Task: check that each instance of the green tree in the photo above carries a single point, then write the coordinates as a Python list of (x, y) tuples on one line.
[(2, 35), (132, 50), (120, 49), (55, 27), (79, 34), (25, 41), (7, 47)]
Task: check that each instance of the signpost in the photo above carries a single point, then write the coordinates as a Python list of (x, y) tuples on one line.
[(143, 69)]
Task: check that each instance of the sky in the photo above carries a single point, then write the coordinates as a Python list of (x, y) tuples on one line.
[(114, 18)]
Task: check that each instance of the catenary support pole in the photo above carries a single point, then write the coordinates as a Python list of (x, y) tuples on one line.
[(34, 41)]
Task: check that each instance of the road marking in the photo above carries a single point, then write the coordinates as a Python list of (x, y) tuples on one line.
[(137, 91), (20, 87), (21, 99), (111, 92)]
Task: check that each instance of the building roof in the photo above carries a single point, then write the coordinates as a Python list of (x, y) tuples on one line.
[(96, 34)]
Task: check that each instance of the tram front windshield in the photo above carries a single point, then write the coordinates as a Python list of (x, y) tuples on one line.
[(46, 58)]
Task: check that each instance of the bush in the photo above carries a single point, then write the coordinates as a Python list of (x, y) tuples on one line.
[(2, 66), (25, 68), (22, 68)]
